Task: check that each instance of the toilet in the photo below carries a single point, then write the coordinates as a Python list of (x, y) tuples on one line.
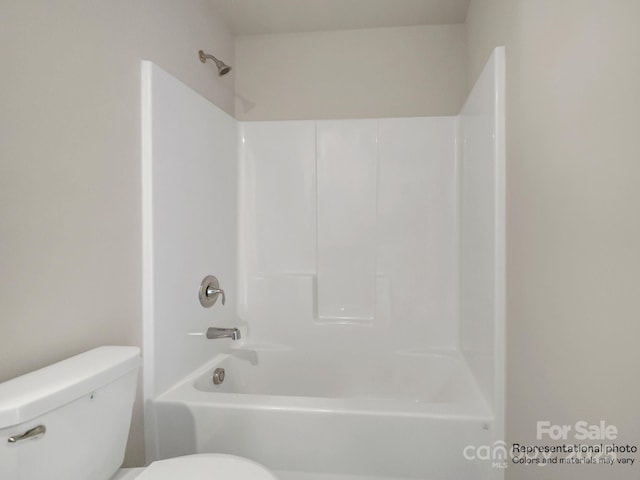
[(70, 421)]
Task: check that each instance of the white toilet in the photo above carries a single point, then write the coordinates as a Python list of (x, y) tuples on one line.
[(70, 421)]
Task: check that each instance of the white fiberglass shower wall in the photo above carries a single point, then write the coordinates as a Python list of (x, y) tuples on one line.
[(481, 220), (363, 261), (348, 233)]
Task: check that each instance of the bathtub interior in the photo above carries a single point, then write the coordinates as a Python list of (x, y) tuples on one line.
[(411, 377), (374, 431), (362, 262)]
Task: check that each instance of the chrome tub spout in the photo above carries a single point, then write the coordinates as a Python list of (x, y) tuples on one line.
[(214, 332)]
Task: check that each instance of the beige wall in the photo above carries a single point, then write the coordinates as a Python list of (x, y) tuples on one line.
[(70, 181), (573, 223), (384, 72), (70, 240)]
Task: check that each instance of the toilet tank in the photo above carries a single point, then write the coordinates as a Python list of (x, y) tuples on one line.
[(85, 405)]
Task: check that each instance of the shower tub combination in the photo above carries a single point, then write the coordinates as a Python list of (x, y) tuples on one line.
[(331, 415), (372, 318)]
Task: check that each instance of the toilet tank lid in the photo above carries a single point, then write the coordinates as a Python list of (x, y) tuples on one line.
[(33, 394)]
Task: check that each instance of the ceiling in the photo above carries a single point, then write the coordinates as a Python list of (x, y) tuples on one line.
[(253, 17)]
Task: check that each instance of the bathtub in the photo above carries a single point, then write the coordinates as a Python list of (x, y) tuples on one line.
[(331, 415)]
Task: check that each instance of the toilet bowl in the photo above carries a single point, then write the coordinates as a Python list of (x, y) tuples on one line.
[(71, 420), (205, 466)]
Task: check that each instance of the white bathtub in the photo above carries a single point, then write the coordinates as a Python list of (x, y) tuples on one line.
[(342, 415)]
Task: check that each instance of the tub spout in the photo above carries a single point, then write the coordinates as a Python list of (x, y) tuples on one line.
[(214, 332)]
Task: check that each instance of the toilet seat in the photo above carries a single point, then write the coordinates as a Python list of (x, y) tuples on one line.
[(206, 466)]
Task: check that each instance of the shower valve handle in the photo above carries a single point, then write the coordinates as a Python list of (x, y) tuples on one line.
[(209, 291), (215, 291)]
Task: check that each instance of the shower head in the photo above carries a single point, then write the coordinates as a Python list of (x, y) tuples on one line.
[(223, 68)]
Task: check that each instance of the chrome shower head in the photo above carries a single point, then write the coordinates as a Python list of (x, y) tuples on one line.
[(223, 68)]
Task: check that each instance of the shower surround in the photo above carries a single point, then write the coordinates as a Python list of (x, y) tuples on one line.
[(347, 233), (363, 262)]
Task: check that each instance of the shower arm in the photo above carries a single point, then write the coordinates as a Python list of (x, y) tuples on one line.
[(204, 56)]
